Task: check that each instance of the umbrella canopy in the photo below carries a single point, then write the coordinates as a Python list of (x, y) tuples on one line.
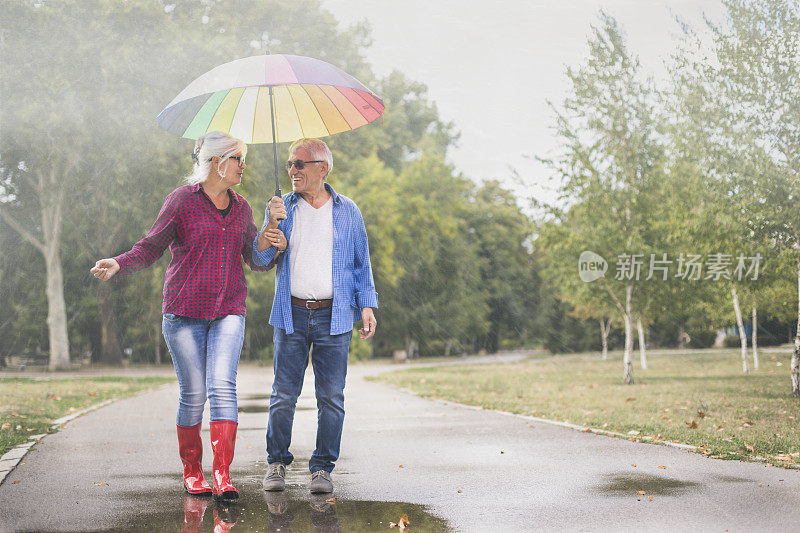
[(306, 97)]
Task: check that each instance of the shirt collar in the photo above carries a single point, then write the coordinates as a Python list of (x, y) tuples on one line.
[(196, 188), (293, 197)]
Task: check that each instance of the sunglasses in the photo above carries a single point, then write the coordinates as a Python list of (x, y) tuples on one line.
[(299, 164), (238, 158)]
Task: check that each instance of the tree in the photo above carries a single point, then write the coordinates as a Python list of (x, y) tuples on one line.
[(610, 165), (750, 86)]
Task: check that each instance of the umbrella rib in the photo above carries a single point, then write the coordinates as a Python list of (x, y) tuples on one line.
[(317, 110), (296, 113)]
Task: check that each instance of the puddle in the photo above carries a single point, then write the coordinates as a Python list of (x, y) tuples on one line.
[(264, 408), (629, 484), (261, 397), (257, 510)]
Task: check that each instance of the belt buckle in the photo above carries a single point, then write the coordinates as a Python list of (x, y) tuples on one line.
[(310, 302)]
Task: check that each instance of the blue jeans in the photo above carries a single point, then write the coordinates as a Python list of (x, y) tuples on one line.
[(206, 357), (329, 360)]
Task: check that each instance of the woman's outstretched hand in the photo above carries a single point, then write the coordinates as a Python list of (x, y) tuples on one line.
[(105, 269)]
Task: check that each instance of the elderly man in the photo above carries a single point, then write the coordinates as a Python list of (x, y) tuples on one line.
[(323, 284)]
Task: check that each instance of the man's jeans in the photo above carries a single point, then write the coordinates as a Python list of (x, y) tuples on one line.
[(206, 358), (329, 360)]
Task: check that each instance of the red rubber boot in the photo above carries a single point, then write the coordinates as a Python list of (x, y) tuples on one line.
[(190, 448), (223, 441)]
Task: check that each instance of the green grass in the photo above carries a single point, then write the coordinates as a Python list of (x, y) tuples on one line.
[(737, 416), (29, 406)]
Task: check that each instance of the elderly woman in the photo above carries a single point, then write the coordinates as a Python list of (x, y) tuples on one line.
[(209, 229)]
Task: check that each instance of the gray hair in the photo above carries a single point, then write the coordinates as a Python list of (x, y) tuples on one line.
[(319, 151), (214, 143)]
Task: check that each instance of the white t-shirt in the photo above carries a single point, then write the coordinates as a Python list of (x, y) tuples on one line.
[(311, 251)]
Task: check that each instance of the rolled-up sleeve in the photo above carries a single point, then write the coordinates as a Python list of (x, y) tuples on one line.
[(249, 248)]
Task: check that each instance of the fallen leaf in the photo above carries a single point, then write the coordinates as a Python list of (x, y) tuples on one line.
[(641, 492), (16, 481), (460, 491), (651, 497), (701, 414), (332, 500), (633, 466), (749, 447), (663, 467), (691, 425), (630, 399), (92, 393), (101, 483), (6, 426), (760, 484)]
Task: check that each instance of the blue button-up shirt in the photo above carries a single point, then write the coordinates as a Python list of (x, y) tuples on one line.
[(353, 286)]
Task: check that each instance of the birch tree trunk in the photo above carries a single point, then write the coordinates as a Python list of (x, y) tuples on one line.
[(796, 355), (742, 334), (56, 310), (642, 346), (605, 328), (755, 338), (628, 336)]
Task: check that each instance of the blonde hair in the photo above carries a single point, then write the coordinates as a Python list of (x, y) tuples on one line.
[(213, 143), (319, 151)]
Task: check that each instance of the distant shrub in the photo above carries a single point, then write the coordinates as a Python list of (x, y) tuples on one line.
[(703, 338)]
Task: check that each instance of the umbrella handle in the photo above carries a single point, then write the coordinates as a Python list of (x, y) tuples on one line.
[(279, 195)]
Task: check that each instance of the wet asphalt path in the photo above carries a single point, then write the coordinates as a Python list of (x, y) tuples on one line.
[(117, 469)]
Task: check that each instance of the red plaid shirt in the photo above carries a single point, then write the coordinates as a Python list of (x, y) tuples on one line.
[(205, 278)]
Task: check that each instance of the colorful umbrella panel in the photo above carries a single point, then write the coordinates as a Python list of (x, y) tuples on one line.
[(310, 98)]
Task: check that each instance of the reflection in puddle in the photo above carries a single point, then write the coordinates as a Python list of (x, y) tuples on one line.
[(256, 510), (624, 484)]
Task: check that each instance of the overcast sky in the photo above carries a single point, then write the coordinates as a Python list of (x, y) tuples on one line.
[(491, 66)]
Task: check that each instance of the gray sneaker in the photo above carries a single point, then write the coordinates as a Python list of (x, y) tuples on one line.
[(275, 478), (321, 482)]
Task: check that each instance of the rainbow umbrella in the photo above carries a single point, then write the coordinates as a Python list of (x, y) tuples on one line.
[(272, 99)]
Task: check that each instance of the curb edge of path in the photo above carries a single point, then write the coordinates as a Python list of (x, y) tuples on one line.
[(644, 439), (12, 458)]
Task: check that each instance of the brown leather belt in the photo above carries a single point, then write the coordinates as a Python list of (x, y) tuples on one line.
[(312, 304)]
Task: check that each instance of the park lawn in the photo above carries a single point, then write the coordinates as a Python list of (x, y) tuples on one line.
[(29, 406), (700, 398)]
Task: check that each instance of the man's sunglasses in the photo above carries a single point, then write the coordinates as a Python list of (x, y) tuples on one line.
[(299, 164)]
